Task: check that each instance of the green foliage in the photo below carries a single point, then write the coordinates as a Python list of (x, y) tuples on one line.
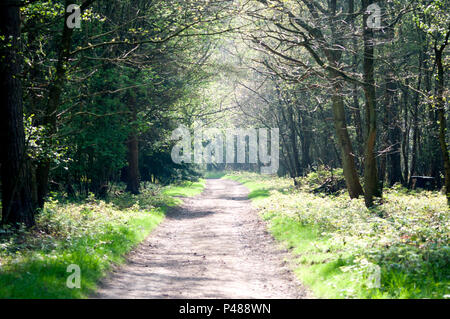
[(433, 18), (339, 243)]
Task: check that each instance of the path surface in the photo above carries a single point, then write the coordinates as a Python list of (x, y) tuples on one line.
[(213, 246)]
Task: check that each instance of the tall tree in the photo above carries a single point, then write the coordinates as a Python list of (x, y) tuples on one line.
[(17, 204), (371, 183)]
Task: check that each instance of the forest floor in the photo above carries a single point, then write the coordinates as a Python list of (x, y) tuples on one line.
[(214, 245)]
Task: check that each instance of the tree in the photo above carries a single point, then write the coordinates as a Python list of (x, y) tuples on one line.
[(436, 23), (17, 206), (371, 183)]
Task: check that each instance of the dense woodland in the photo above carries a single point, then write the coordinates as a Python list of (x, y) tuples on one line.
[(348, 86), (93, 93)]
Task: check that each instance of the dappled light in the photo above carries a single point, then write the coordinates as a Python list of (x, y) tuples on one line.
[(224, 149)]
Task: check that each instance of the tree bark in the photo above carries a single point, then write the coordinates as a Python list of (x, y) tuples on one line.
[(405, 140), (394, 133), (293, 137), (442, 119), (415, 120), (133, 176), (356, 111), (371, 182), (305, 138), (17, 202), (348, 158)]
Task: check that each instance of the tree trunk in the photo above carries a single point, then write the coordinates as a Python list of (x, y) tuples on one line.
[(415, 147), (405, 141), (394, 160), (133, 177), (356, 111), (293, 137), (17, 202), (133, 165), (371, 182), (348, 158), (442, 120), (305, 138)]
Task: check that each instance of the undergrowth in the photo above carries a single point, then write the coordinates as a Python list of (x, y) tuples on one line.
[(344, 250), (93, 234)]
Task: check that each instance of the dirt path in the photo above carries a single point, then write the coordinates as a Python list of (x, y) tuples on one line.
[(213, 246)]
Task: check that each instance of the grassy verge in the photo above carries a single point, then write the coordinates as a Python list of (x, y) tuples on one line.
[(185, 189), (343, 250), (92, 234)]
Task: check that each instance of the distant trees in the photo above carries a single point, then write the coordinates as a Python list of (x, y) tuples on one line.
[(435, 22), (341, 49), (100, 101)]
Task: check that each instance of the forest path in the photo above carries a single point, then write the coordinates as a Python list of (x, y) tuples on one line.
[(212, 246)]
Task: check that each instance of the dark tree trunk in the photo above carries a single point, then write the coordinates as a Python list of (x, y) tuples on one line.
[(17, 202), (348, 158), (306, 139), (442, 119), (415, 119), (384, 137), (133, 165), (394, 160), (133, 176), (371, 182), (294, 143), (358, 124), (405, 141), (356, 111)]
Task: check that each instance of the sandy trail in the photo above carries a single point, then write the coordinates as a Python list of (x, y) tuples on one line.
[(213, 246)]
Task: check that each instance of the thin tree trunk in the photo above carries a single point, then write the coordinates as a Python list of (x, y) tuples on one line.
[(405, 142), (442, 119), (394, 160), (356, 108), (371, 182), (305, 138), (293, 137), (133, 176), (415, 147)]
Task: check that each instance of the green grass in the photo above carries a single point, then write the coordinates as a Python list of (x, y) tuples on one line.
[(185, 189), (339, 245), (93, 234), (214, 174)]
